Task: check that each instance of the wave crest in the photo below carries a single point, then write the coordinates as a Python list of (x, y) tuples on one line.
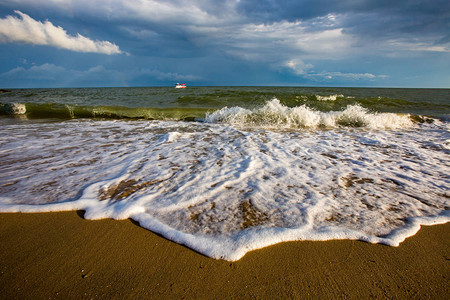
[(275, 114), (329, 98), (13, 108)]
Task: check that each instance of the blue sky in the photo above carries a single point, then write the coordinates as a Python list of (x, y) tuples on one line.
[(87, 43)]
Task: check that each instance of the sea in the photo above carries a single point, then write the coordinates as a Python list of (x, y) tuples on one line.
[(227, 170)]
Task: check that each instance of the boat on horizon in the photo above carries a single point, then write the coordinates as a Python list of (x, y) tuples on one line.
[(180, 86)]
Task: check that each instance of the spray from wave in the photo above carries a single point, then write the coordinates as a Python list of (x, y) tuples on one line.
[(275, 115)]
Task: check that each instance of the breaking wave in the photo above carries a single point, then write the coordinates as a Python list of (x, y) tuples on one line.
[(65, 111), (13, 109), (275, 114), (329, 98)]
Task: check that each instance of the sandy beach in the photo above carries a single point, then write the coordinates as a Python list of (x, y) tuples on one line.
[(62, 255)]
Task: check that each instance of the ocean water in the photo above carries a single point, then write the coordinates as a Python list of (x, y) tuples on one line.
[(226, 170)]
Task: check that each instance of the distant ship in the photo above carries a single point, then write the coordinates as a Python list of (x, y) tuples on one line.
[(180, 86)]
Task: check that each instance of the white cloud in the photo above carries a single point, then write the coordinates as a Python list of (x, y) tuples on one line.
[(42, 72), (173, 12), (187, 12), (29, 31), (274, 43), (56, 76), (298, 66), (325, 76), (417, 46)]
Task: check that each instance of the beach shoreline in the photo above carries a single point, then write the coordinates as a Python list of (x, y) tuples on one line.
[(62, 255)]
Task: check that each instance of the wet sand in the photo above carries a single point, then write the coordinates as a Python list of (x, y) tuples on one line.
[(61, 255)]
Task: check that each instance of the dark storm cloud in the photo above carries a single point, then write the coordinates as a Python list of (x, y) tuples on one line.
[(293, 10), (376, 17)]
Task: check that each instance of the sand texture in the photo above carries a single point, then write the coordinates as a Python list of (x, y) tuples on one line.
[(61, 255)]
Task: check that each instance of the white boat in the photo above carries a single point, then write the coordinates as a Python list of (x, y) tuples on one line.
[(180, 86)]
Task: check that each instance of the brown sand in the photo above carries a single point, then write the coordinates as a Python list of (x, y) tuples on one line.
[(61, 255)]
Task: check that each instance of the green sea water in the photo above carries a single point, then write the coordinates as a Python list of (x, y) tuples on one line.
[(193, 103)]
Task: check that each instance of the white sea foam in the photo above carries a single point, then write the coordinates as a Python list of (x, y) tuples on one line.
[(170, 137), (225, 190), (275, 115), (15, 108), (329, 97)]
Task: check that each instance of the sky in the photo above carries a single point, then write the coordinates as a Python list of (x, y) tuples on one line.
[(112, 43)]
